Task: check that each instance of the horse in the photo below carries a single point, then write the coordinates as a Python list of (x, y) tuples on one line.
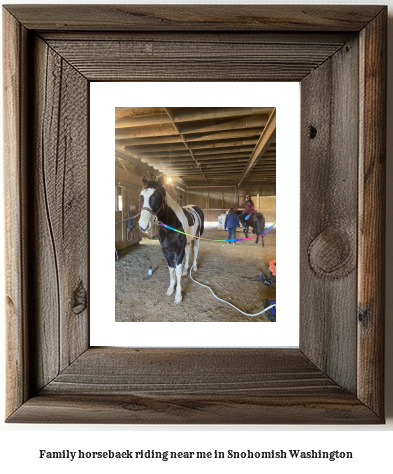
[(257, 222), (157, 204)]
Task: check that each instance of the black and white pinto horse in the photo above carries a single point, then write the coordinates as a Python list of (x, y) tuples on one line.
[(257, 222), (157, 204)]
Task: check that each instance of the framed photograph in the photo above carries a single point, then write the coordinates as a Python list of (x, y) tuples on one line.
[(52, 55), (222, 139)]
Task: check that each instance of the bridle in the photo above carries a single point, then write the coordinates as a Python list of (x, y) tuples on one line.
[(151, 212)]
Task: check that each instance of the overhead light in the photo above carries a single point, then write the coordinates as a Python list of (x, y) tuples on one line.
[(169, 179)]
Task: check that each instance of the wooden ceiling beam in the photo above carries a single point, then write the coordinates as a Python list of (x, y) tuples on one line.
[(154, 148), (268, 134), (171, 163), (147, 131), (180, 174), (217, 151), (209, 113), (148, 140), (241, 161), (242, 133), (152, 156), (225, 124), (223, 156), (182, 161), (140, 120), (222, 143)]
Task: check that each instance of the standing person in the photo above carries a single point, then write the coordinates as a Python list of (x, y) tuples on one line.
[(231, 223), (249, 208)]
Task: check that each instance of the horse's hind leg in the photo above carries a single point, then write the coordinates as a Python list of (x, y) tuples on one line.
[(179, 267), (187, 256), (178, 296), (257, 239), (196, 249), (263, 243)]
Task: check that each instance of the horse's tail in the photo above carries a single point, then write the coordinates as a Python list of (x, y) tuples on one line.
[(260, 223)]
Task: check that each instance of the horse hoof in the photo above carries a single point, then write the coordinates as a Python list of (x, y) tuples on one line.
[(184, 273), (170, 291), (178, 299), (195, 268)]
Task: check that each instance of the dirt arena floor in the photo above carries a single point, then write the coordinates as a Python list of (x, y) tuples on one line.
[(229, 270)]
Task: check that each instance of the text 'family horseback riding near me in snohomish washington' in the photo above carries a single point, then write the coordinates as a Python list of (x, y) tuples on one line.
[(215, 454)]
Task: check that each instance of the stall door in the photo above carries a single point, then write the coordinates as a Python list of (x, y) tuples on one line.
[(128, 203)]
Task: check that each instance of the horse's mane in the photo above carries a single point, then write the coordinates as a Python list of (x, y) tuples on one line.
[(178, 210)]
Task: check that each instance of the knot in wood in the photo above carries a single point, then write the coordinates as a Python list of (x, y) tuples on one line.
[(330, 254), (80, 299)]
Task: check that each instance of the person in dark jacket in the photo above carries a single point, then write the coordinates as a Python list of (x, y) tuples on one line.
[(231, 223)]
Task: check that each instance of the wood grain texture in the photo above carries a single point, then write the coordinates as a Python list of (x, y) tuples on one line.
[(328, 251), (372, 198), (219, 409), (201, 37), (186, 60), (193, 386), (14, 74), (59, 220), (193, 17)]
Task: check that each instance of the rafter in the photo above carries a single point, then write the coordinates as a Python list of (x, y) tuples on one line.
[(267, 137), (168, 111)]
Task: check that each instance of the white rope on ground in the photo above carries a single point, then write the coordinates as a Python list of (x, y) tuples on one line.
[(230, 304)]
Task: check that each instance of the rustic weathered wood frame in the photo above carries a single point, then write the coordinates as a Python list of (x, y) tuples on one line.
[(336, 375)]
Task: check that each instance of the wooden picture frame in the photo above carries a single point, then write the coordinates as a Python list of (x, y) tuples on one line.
[(338, 54)]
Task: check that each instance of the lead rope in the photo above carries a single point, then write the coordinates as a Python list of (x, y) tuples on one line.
[(230, 304), (213, 240)]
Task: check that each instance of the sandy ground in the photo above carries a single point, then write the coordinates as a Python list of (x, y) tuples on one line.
[(229, 270)]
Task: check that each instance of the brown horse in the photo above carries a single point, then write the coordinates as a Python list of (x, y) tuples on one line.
[(257, 223)]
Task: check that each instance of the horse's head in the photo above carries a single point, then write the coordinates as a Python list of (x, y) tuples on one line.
[(152, 201)]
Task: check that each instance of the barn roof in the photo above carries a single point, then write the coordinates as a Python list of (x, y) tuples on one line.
[(201, 145)]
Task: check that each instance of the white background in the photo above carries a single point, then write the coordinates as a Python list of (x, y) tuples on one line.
[(104, 97), (19, 444)]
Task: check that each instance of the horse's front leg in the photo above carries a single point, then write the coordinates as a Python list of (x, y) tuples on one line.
[(170, 257), (171, 287), (257, 239), (263, 243)]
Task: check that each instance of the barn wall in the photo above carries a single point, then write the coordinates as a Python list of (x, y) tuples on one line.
[(216, 200), (130, 177)]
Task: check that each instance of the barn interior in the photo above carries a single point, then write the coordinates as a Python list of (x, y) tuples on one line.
[(212, 158)]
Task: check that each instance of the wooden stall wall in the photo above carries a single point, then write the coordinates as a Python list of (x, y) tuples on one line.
[(128, 177)]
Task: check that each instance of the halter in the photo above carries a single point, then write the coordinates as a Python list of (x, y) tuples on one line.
[(151, 212)]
